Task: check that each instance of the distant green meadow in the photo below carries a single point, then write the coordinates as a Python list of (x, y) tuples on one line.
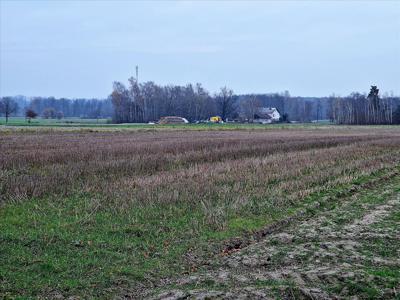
[(73, 124), (107, 123), (22, 121)]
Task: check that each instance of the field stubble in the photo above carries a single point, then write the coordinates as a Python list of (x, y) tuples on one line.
[(224, 181), (220, 170)]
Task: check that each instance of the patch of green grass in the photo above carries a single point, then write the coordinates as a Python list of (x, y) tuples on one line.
[(363, 289), (380, 247), (47, 245), (386, 278), (240, 223), (70, 246), (273, 283)]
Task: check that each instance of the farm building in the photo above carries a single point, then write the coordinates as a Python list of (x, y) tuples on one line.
[(173, 120), (266, 115)]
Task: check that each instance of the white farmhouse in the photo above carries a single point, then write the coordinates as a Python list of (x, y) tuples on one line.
[(266, 115)]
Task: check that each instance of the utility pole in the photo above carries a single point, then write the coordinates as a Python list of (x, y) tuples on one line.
[(137, 74)]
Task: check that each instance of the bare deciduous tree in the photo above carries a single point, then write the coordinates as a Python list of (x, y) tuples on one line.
[(49, 113), (249, 107), (8, 107), (225, 102)]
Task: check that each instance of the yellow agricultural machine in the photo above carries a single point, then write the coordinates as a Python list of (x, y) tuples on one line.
[(216, 119)]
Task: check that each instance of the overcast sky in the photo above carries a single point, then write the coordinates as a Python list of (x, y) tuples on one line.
[(314, 48)]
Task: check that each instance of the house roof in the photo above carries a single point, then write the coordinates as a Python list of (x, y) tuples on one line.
[(268, 110), (265, 113)]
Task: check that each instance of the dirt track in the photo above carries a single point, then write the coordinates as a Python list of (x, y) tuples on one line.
[(352, 250)]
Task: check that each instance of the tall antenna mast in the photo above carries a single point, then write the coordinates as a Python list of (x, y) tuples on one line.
[(137, 73)]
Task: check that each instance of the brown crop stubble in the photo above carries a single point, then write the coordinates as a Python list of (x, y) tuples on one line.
[(220, 171)]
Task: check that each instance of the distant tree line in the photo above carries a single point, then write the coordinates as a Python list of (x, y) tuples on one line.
[(147, 101), (358, 109), (83, 108), (51, 108), (144, 102)]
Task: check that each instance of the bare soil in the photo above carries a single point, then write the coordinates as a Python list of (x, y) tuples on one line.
[(351, 251)]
